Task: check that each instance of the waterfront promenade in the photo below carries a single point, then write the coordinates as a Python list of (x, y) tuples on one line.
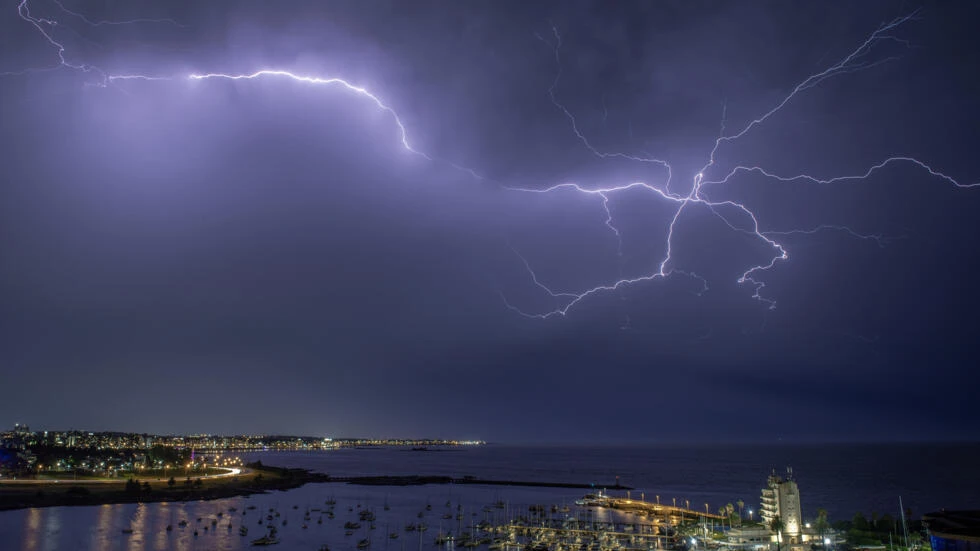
[(654, 509)]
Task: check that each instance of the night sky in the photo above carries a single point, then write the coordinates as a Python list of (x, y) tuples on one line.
[(265, 255)]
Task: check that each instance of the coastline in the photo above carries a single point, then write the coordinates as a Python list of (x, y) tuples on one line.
[(256, 480)]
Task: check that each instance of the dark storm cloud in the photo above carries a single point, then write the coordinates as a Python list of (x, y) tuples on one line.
[(264, 256)]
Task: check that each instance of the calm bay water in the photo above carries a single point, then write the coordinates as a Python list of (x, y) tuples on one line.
[(842, 479)]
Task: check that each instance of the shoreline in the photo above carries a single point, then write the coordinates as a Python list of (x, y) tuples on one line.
[(257, 480)]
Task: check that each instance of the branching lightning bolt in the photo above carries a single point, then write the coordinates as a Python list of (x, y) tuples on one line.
[(854, 61), (857, 60), (403, 134)]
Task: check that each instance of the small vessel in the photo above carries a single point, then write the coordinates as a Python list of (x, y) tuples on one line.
[(127, 530), (364, 544), (352, 525), (266, 540), (243, 531)]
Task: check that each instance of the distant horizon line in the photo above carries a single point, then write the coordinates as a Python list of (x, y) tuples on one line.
[(526, 442)]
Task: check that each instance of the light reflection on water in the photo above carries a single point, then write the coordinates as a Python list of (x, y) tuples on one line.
[(163, 514), (101, 527), (52, 529), (31, 529)]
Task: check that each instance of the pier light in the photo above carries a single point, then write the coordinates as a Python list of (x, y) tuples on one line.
[(807, 525), (826, 541)]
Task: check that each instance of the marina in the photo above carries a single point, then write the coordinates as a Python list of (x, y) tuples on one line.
[(441, 517)]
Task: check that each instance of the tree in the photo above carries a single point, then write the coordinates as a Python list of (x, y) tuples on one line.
[(729, 512), (885, 524), (860, 523), (822, 525), (741, 507), (171, 483), (132, 487), (146, 487), (776, 525)]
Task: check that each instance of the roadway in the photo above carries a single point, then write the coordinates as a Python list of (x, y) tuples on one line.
[(121, 480)]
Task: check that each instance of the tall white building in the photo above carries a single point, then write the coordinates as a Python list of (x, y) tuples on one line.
[(781, 498)]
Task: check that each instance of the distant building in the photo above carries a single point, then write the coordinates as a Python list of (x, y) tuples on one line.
[(781, 497), (953, 530), (750, 537)]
